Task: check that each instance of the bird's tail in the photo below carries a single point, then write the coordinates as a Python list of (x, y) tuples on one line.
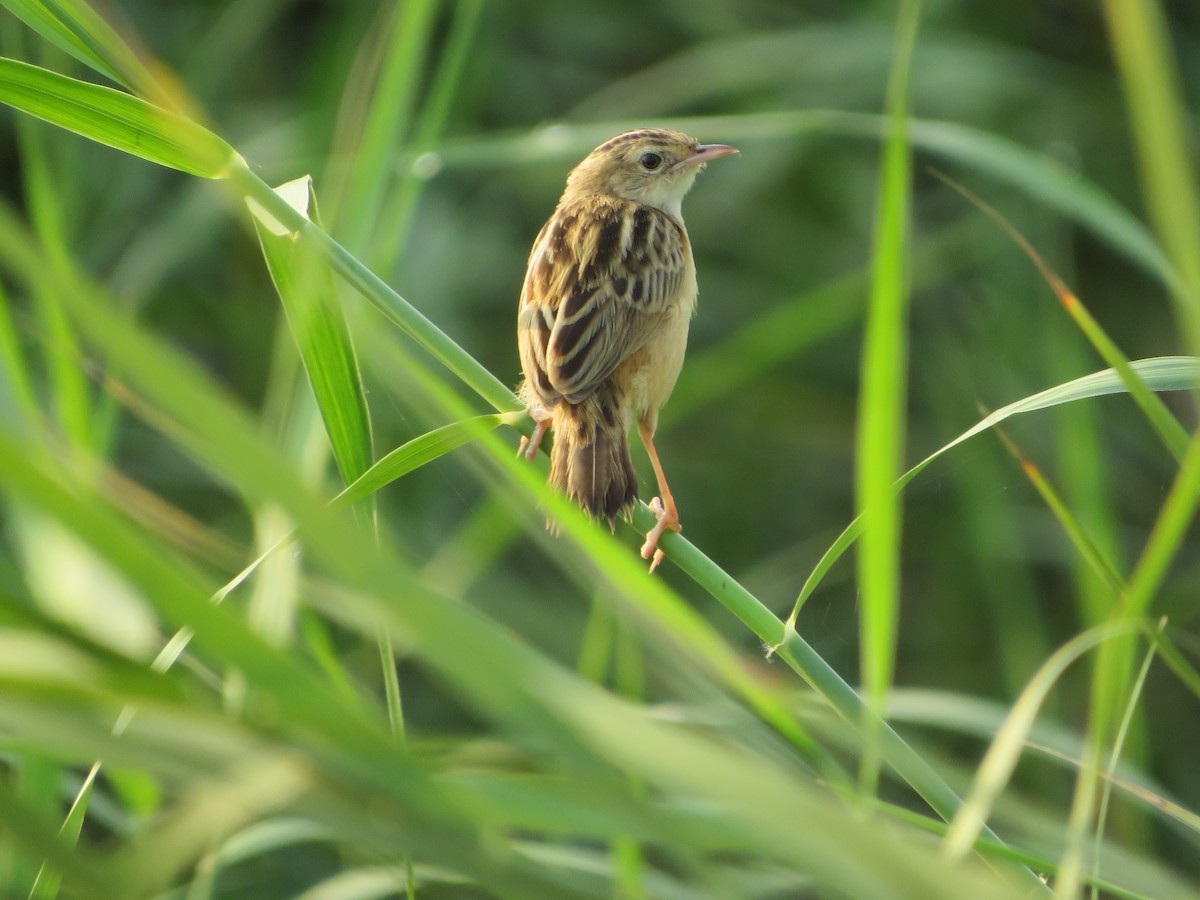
[(590, 460)]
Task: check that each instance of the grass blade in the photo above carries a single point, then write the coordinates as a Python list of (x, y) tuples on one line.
[(48, 879), (305, 285), (881, 416), (394, 220), (1166, 152), (411, 321), (115, 119), (1006, 749), (1084, 545), (1164, 423), (404, 459), (1114, 758), (418, 452), (393, 100), (74, 28), (1168, 373)]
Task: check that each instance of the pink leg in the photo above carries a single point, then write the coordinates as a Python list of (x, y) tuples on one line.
[(664, 509), (529, 445)]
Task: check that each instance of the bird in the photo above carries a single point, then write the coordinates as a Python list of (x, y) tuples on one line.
[(602, 327)]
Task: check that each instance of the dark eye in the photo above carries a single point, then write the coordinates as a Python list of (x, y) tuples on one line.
[(651, 161)]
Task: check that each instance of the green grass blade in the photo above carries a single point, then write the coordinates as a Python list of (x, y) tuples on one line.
[(881, 417), (115, 119), (1168, 373), (395, 218), (435, 341), (478, 546), (71, 392), (1010, 741), (1167, 157), (418, 452), (784, 641), (83, 871), (388, 120), (18, 404), (75, 28), (1111, 674), (1128, 718), (49, 880), (1167, 535), (1110, 678), (1166, 151), (1161, 419), (1180, 666), (305, 285), (1087, 549), (404, 459)]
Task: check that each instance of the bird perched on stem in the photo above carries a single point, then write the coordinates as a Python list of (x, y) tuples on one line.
[(603, 322)]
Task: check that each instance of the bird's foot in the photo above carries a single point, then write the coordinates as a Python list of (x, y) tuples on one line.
[(668, 520), (529, 445)]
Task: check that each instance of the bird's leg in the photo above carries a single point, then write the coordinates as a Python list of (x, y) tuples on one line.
[(529, 445), (662, 506)]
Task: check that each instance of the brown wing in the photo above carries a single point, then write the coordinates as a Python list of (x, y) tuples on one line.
[(601, 278)]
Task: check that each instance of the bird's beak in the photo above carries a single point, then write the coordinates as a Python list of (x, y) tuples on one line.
[(703, 154)]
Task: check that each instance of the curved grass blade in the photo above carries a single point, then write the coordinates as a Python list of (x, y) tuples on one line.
[(1005, 751), (420, 451), (1111, 673), (318, 326), (68, 31), (79, 30), (1164, 373), (1161, 420), (407, 317), (116, 119)]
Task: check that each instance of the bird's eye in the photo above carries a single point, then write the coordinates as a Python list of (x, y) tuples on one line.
[(651, 161)]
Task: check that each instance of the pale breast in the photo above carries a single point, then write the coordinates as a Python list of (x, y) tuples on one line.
[(652, 370)]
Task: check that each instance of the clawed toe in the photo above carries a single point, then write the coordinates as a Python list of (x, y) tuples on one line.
[(668, 520)]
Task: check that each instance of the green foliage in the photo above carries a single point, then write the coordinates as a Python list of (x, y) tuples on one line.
[(116, 119), (232, 489)]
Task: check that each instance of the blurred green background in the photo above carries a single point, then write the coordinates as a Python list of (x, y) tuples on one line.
[(1020, 102)]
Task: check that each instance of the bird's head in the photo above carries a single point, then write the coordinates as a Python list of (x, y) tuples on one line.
[(654, 166)]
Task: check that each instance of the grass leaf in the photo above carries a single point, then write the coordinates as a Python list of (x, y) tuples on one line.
[(881, 416), (115, 119), (1168, 373), (305, 285)]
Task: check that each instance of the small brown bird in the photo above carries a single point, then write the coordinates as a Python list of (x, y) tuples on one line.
[(603, 323)]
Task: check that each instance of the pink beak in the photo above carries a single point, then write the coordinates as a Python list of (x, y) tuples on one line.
[(704, 153)]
